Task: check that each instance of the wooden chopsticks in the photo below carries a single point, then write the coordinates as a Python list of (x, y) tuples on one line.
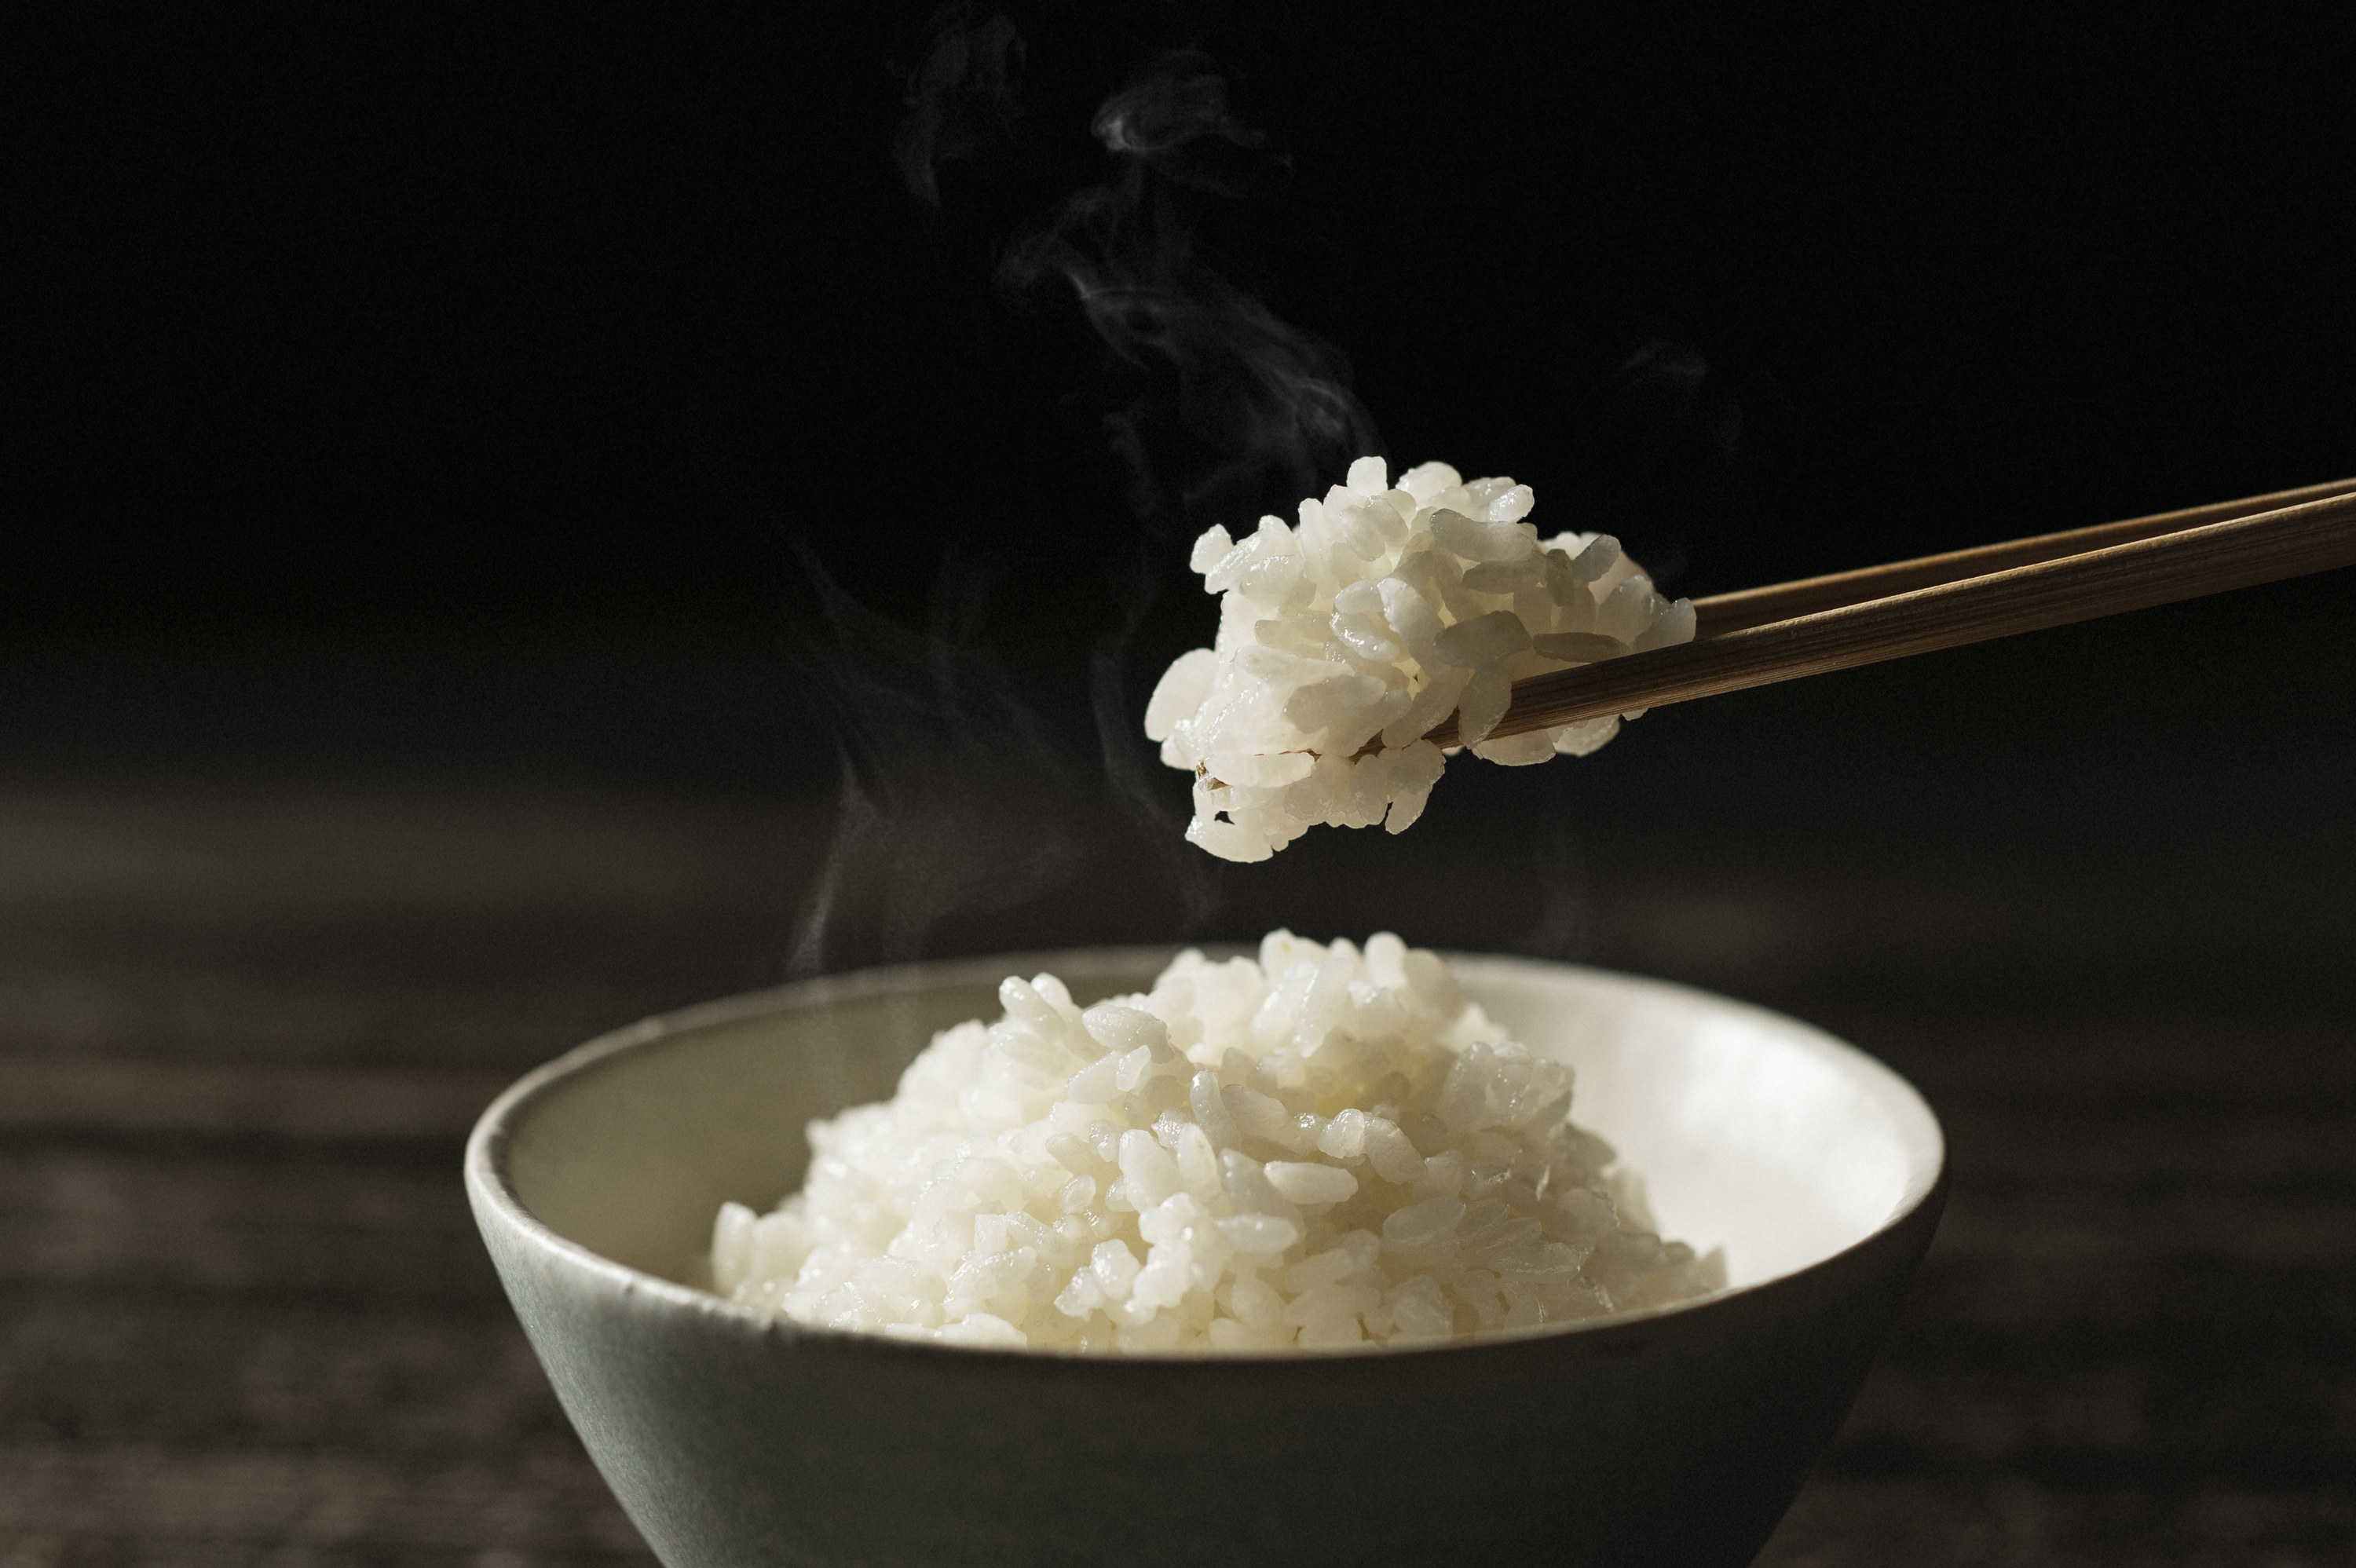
[(1761, 636), (1725, 612)]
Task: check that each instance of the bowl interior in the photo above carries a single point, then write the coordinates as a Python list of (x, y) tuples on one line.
[(1753, 1132)]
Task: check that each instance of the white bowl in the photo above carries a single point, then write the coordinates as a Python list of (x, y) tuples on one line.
[(1673, 1437)]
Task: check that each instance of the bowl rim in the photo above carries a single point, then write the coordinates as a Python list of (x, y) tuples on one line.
[(494, 1198)]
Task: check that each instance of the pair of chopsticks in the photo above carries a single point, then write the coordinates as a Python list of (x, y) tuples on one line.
[(1760, 635)]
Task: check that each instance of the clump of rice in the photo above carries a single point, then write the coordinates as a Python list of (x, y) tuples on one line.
[(1385, 609), (1322, 1149)]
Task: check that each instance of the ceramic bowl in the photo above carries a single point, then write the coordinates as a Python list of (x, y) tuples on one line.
[(1673, 1437)]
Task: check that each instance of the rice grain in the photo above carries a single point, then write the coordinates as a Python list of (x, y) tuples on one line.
[(1362, 626), (1325, 1148)]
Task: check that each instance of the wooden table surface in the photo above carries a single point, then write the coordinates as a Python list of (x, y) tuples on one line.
[(244, 1026)]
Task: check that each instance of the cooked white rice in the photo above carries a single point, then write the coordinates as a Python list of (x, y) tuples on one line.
[(1383, 611), (1323, 1149)]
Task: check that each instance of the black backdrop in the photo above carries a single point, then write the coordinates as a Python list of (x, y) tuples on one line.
[(392, 376), (376, 322)]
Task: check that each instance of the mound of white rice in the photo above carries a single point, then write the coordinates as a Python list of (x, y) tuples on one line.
[(1322, 1149), (1383, 611)]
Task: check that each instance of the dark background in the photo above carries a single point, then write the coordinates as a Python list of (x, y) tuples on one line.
[(477, 486)]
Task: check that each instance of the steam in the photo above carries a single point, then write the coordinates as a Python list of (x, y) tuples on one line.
[(963, 810), (1131, 782), (964, 101), (1563, 928), (1216, 409), (1660, 453), (942, 771), (1177, 121), (1212, 408), (954, 801)]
